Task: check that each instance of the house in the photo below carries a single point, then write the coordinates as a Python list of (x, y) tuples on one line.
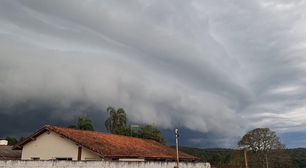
[(7, 153), (56, 143)]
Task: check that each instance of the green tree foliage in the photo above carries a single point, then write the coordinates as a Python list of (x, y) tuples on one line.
[(145, 132), (21, 139), (207, 155), (264, 148), (72, 126), (126, 131), (216, 159), (227, 159), (83, 124), (151, 132), (117, 119), (298, 156), (11, 140), (236, 157)]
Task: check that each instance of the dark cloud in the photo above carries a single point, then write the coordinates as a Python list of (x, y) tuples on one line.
[(214, 69)]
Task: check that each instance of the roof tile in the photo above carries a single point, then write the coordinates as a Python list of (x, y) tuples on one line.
[(113, 146)]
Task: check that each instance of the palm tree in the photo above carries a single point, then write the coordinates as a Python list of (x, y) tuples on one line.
[(117, 119)]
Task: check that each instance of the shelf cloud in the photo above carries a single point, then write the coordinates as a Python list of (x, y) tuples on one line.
[(214, 69)]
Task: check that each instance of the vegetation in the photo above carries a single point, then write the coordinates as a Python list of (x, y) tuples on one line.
[(215, 156), (151, 132), (145, 132), (11, 140), (116, 124), (298, 156), (83, 124), (257, 141), (117, 119), (264, 148), (21, 139)]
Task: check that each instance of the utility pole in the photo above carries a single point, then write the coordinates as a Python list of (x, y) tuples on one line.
[(267, 163), (133, 126), (177, 152), (245, 158)]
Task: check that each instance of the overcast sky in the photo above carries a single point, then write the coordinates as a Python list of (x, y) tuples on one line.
[(215, 69)]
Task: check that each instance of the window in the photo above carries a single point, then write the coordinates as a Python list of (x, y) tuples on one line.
[(35, 158), (63, 158), (90, 159)]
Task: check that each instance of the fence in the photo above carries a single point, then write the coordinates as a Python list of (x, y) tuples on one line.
[(97, 164)]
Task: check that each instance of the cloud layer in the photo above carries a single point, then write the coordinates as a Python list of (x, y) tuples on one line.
[(214, 69)]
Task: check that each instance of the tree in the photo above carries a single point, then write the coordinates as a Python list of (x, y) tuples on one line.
[(264, 148), (72, 126), (150, 132), (146, 132), (11, 140), (216, 159), (260, 140), (237, 158), (117, 119), (21, 139), (83, 124), (227, 159), (126, 131)]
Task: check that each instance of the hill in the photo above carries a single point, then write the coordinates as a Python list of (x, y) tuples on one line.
[(298, 156), (223, 156), (212, 155)]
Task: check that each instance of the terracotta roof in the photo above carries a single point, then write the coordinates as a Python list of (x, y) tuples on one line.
[(7, 153), (113, 146)]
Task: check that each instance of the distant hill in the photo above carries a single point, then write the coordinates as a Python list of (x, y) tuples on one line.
[(212, 155), (298, 155), (223, 156)]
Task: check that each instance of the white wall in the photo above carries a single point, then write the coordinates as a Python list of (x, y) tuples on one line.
[(97, 164), (3, 142), (51, 145)]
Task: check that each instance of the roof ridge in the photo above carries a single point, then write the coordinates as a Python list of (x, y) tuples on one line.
[(101, 133)]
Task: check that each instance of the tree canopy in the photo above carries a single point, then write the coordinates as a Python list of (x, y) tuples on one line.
[(260, 140), (116, 124), (264, 148), (236, 157), (144, 132), (151, 132), (83, 124), (11, 140)]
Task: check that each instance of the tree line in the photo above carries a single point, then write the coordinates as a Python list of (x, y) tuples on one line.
[(261, 146), (115, 124), (12, 140), (222, 156)]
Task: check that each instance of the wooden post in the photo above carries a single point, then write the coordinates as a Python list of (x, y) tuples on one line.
[(177, 152), (245, 158), (267, 161)]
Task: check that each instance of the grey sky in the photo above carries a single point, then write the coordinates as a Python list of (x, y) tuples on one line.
[(214, 69)]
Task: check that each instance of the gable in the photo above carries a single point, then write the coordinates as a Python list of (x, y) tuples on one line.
[(50, 146)]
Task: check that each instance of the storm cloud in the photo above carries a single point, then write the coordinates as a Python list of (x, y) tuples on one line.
[(214, 69)]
